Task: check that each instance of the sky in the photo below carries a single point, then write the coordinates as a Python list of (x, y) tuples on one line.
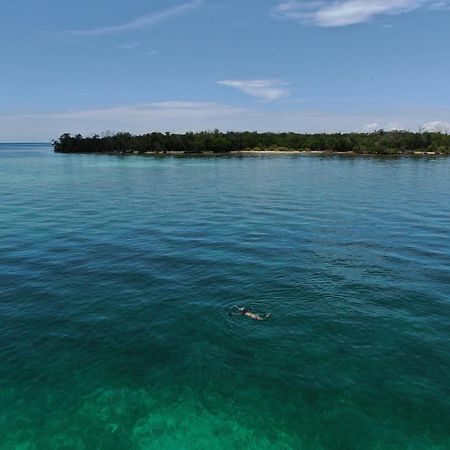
[(95, 66)]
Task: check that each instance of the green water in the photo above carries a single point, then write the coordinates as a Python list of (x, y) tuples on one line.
[(116, 275)]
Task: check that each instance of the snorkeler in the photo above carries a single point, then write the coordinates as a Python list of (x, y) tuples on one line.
[(247, 312)]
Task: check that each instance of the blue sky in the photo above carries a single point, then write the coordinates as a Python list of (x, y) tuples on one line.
[(310, 65)]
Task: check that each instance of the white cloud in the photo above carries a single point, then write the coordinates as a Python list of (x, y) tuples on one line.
[(142, 118), (267, 90), (394, 126), (141, 22), (196, 116), (369, 127), (390, 126), (338, 13), (436, 126)]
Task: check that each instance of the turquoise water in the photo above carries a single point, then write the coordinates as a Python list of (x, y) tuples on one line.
[(117, 273)]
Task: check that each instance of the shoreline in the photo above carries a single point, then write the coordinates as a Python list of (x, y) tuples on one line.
[(248, 143), (239, 153)]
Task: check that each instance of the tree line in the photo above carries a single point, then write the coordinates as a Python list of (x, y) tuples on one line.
[(378, 142)]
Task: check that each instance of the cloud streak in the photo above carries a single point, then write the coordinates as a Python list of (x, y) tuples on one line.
[(437, 126), (340, 13), (141, 22), (196, 116), (267, 90)]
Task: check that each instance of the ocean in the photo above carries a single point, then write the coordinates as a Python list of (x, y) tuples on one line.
[(117, 275)]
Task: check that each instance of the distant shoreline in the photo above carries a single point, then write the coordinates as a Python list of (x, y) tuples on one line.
[(249, 143), (238, 153)]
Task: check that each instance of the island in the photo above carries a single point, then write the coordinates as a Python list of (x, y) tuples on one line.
[(215, 142)]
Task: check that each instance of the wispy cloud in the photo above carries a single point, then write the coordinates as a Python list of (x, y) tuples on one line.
[(339, 13), (437, 126), (174, 116), (267, 90), (370, 127), (141, 22), (136, 49), (195, 116), (130, 46), (394, 126), (390, 126)]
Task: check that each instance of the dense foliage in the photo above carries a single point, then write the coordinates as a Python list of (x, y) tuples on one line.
[(379, 142)]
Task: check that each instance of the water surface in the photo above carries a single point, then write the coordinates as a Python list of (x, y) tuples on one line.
[(116, 275)]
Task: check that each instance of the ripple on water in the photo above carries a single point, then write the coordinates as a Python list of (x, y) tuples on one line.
[(117, 275)]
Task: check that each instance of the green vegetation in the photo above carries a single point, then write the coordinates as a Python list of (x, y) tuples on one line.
[(379, 142)]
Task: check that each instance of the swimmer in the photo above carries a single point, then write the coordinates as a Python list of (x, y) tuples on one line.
[(248, 313)]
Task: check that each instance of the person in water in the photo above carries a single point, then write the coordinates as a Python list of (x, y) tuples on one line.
[(247, 312)]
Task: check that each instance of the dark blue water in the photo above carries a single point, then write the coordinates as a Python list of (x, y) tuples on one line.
[(116, 275)]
